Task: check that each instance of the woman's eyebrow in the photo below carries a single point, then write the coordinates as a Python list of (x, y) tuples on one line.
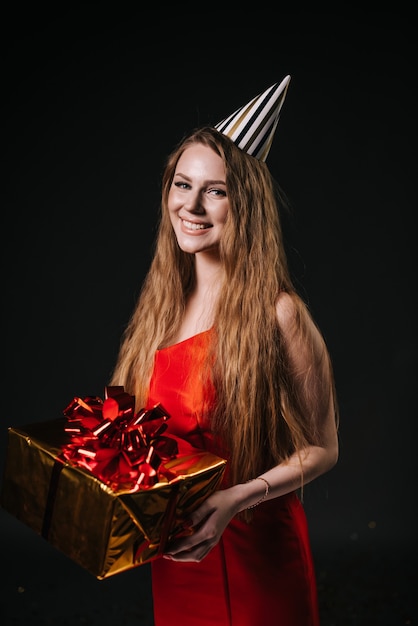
[(207, 182)]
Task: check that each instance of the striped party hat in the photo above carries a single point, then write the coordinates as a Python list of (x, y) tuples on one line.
[(252, 127)]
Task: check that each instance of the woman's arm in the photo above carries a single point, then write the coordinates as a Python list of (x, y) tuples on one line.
[(312, 378)]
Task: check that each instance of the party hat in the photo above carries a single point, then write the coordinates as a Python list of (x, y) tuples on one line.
[(252, 127)]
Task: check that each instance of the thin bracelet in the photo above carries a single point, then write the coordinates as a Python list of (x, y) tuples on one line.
[(265, 494)]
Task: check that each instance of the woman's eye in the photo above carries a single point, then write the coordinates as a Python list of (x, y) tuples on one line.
[(182, 185), (217, 192)]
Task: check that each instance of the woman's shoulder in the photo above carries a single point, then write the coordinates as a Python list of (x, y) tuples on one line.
[(288, 307), (295, 320), (293, 314)]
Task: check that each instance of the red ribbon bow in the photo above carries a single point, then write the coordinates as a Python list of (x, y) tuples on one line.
[(122, 448)]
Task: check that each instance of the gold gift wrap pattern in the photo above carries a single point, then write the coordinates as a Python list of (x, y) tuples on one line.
[(105, 529)]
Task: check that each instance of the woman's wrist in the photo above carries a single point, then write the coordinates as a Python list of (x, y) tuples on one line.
[(264, 495), (250, 494)]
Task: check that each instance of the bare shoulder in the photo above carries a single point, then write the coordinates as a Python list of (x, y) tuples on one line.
[(287, 310), (296, 323)]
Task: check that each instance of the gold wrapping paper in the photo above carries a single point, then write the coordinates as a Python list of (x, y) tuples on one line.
[(103, 530)]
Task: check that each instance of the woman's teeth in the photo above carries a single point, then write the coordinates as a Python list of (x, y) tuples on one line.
[(194, 226)]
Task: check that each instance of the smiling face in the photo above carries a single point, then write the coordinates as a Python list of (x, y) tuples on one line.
[(197, 200)]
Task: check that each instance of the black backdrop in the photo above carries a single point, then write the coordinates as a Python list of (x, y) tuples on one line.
[(93, 101)]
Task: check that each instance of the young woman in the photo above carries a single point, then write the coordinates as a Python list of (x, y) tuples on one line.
[(220, 337)]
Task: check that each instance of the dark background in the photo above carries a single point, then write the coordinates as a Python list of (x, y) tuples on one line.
[(93, 100)]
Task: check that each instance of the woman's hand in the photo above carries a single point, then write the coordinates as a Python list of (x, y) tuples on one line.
[(208, 523)]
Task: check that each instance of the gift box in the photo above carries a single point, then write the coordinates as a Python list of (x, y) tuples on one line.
[(104, 485)]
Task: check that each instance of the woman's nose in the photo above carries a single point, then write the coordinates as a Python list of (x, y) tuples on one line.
[(194, 204)]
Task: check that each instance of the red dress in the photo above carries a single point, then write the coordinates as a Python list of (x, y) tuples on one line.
[(259, 574)]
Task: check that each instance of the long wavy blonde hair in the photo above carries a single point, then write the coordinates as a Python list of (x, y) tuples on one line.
[(258, 417)]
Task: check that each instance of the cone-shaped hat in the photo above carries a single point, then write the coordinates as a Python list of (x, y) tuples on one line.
[(252, 127)]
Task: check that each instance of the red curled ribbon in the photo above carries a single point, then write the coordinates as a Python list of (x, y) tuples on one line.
[(124, 449)]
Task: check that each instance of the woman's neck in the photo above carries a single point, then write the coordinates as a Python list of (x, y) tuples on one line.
[(201, 302), (208, 273)]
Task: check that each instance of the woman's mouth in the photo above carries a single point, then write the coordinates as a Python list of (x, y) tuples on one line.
[(194, 226)]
